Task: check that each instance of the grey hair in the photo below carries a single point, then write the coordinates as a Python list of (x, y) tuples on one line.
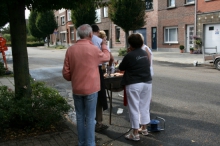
[(142, 37), (84, 30)]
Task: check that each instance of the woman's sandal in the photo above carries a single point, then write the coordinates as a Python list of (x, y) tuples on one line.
[(133, 137), (100, 127), (143, 132)]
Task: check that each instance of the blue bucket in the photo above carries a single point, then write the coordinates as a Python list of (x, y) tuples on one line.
[(155, 124)]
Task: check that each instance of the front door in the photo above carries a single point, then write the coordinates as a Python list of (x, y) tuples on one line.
[(212, 37), (189, 37)]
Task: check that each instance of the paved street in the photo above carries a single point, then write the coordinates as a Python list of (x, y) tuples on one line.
[(187, 97)]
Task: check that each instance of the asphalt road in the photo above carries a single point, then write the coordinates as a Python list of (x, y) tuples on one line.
[(187, 97)]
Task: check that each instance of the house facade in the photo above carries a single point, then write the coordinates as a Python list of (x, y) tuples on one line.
[(149, 31), (115, 35), (175, 24), (65, 34), (169, 24), (208, 24)]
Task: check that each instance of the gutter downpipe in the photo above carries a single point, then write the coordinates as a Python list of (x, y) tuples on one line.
[(195, 19), (195, 27)]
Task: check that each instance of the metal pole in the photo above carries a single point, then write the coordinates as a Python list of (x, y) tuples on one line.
[(195, 21)]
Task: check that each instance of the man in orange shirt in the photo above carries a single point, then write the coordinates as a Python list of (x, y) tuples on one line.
[(81, 68)]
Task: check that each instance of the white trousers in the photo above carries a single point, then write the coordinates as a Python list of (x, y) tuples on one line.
[(139, 98)]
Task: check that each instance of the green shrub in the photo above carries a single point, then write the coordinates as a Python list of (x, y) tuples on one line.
[(7, 37), (181, 47), (2, 69), (44, 108), (122, 52), (34, 44), (29, 44), (8, 43), (60, 47), (31, 38)]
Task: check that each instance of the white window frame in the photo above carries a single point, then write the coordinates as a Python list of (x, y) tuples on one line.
[(117, 33), (190, 1), (63, 36), (69, 15), (166, 40), (105, 12), (77, 36), (98, 15), (171, 3), (72, 33), (62, 22)]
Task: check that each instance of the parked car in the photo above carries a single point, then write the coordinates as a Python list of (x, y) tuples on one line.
[(217, 62)]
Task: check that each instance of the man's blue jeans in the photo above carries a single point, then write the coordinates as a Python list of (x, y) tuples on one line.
[(85, 107)]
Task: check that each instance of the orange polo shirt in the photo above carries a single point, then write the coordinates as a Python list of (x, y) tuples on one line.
[(81, 66)]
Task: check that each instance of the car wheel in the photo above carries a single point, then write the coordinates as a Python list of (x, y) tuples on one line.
[(217, 64)]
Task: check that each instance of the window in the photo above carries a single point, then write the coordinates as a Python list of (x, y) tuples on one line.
[(149, 4), (170, 35), (62, 18), (117, 33), (190, 1), (63, 37), (69, 15), (171, 3), (57, 18), (105, 12), (98, 15), (211, 28), (77, 36), (72, 33)]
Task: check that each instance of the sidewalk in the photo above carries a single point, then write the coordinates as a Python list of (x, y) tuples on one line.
[(174, 57), (69, 137)]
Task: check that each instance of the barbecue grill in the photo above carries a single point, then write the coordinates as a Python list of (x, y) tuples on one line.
[(112, 84)]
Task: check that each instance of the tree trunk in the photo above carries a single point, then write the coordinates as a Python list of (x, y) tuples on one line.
[(126, 39), (19, 49), (48, 41)]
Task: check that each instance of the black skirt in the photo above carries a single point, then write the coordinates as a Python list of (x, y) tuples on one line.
[(102, 93)]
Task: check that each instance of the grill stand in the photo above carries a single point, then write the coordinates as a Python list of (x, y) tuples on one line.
[(112, 85)]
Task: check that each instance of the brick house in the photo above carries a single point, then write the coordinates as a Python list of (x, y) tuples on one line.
[(170, 24), (115, 34), (208, 24), (66, 32), (175, 24), (149, 31)]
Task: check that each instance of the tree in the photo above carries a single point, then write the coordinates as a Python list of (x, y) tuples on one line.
[(5, 30), (34, 31), (13, 11), (128, 14), (83, 14), (46, 23), (4, 15)]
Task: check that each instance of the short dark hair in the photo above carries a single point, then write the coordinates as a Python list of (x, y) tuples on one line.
[(95, 28), (135, 41)]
